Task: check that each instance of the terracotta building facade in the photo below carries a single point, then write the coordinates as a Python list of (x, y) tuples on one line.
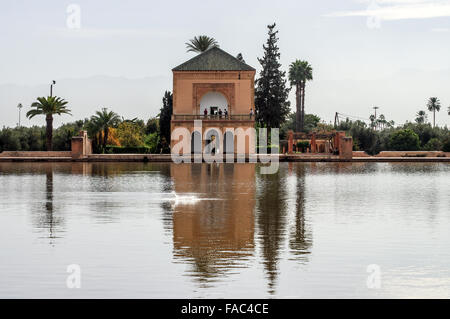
[(213, 97)]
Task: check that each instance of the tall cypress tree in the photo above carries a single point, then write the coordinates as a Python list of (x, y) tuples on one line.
[(271, 92), (165, 117)]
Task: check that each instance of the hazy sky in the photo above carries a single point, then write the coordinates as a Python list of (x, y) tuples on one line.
[(390, 53)]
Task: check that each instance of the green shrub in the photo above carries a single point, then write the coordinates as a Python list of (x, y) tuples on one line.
[(404, 140), (446, 146), (151, 141), (302, 146), (433, 145)]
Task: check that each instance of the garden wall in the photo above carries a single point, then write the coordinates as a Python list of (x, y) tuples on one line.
[(35, 154), (404, 154)]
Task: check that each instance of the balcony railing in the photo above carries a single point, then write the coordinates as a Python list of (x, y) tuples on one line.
[(234, 117)]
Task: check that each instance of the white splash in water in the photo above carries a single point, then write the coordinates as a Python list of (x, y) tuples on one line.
[(184, 199)]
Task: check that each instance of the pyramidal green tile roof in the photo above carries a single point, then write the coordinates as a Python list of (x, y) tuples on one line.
[(214, 59)]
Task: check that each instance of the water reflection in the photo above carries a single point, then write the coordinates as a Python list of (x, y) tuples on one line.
[(215, 234), (300, 240), (45, 216), (281, 206), (178, 228)]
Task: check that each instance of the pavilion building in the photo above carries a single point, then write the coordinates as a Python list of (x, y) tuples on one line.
[(217, 89)]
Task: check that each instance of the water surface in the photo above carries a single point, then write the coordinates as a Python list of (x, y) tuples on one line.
[(221, 231)]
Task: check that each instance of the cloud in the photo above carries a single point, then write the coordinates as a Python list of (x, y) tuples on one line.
[(399, 10)]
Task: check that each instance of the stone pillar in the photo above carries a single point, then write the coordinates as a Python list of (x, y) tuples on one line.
[(290, 142), (337, 138), (313, 143), (345, 148), (81, 146)]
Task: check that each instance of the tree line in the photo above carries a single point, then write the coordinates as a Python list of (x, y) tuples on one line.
[(110, 133)]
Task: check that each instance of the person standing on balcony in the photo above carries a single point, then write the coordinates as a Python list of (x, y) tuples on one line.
[(226, 113), (205, 113), (220, 113), (251, 113)]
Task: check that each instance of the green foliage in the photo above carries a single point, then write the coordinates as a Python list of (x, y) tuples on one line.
[(130, 134), (34, 138), (364, 138), (152, 141), (302, 146), (127, 150), (426, 132), (102, 121), (62, 138), (433, 144), (299, 73), (421, 117), (312, 122), (446, 146), (152, 126), (374, 141), (271, 93), (48, 106), (404, 140), (434, 105)]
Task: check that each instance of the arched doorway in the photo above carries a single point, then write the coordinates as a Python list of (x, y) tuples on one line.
[(213, 103), (228, 143), (212, 140), (196, 142)]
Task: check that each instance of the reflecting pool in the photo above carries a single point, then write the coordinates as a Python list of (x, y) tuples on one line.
[(144, 230)]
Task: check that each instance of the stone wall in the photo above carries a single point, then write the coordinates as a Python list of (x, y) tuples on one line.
[(35, 154), (345, 147), (403, 154), (81, 146)]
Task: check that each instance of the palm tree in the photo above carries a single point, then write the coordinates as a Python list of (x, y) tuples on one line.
[(49, 106), (201, 44), (94, 130), (103, 120), (299, 73), (372, 121), (421, 117), (382, 121), (434, 105)]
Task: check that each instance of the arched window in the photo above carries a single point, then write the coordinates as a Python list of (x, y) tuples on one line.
[(196, 143), (213, 102), (228, 143), (212, 140)]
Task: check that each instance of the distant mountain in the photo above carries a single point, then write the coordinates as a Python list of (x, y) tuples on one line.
[(130, 98), (399, 96)]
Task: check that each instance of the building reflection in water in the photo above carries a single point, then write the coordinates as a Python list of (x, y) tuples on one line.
[(238, 216), (239, 213), (216, 233)]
